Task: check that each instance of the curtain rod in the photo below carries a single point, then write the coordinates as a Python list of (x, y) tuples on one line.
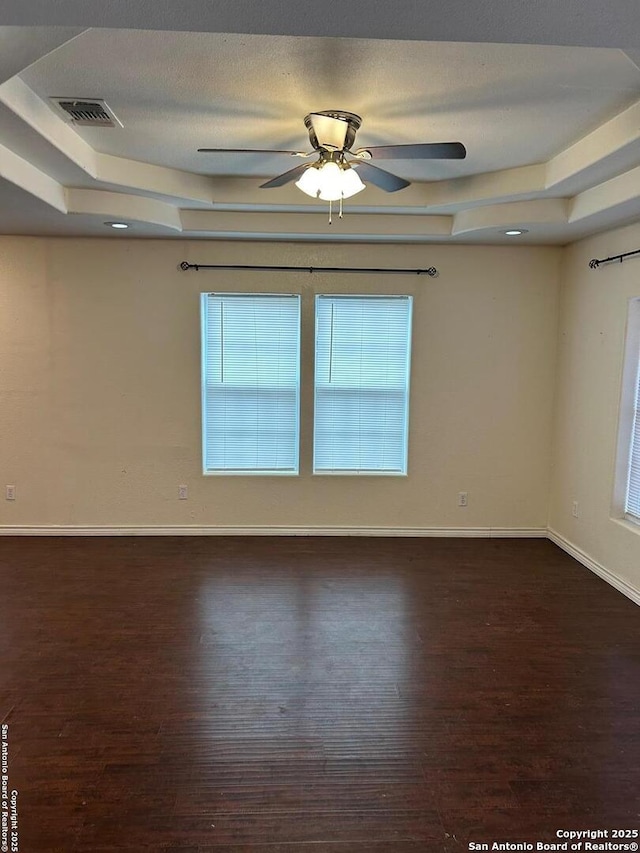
[(595, 263), (430, 271)]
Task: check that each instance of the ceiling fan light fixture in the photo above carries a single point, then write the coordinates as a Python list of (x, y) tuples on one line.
[(332, 177), (330, 181)]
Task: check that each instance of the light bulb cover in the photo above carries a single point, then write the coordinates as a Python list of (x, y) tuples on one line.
[(331, 182), (309, 182), (351, 182)]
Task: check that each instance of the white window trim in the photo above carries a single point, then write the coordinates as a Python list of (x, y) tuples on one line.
[(356, 472), (628, 389), (241, 472)]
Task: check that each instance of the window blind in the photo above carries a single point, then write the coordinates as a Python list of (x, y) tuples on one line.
[(250, 383), (632, 506), (362, 384)]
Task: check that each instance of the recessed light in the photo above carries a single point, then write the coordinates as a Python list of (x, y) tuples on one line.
[(117, 224), (515, 232)]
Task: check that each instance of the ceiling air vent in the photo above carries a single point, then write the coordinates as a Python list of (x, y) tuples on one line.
[(87, 112)]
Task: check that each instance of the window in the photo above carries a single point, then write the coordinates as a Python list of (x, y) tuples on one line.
[(626, 500), (362, 384), (632, 498), (250, 383)]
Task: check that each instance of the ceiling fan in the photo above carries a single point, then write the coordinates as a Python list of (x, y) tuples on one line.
[(334, 177)]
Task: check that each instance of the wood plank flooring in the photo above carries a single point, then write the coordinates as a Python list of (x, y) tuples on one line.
[(256, 695)]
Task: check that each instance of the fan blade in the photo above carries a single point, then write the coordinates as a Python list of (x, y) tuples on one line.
[(385, 180), (253, 151), (424, 151), (285, 178)]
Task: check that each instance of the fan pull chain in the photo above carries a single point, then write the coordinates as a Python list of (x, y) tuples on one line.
[(331, 210)]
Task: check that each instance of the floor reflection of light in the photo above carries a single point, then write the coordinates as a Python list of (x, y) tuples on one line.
[(359, 655), (309, 658)]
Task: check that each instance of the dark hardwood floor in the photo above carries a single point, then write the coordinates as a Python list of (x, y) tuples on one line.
[(255, 695)]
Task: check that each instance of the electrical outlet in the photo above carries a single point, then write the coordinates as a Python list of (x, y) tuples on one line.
[(183, 493), (575, 510), (11, 493), (463, 498)]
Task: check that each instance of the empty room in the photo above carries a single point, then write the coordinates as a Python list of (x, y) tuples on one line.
[(319, 427)]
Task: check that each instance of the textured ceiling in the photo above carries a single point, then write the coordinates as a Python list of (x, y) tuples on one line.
[(552, 132), (175, 92)]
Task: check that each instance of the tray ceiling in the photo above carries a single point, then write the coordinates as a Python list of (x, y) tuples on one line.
[(552, 134)]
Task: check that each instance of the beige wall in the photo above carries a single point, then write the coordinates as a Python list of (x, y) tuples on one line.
[(593, 315), (100, 386)]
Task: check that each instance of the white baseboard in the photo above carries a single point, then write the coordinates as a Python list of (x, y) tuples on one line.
[(453, 532), (597, 568)]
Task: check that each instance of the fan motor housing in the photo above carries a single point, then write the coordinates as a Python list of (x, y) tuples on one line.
[(342, 138)]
